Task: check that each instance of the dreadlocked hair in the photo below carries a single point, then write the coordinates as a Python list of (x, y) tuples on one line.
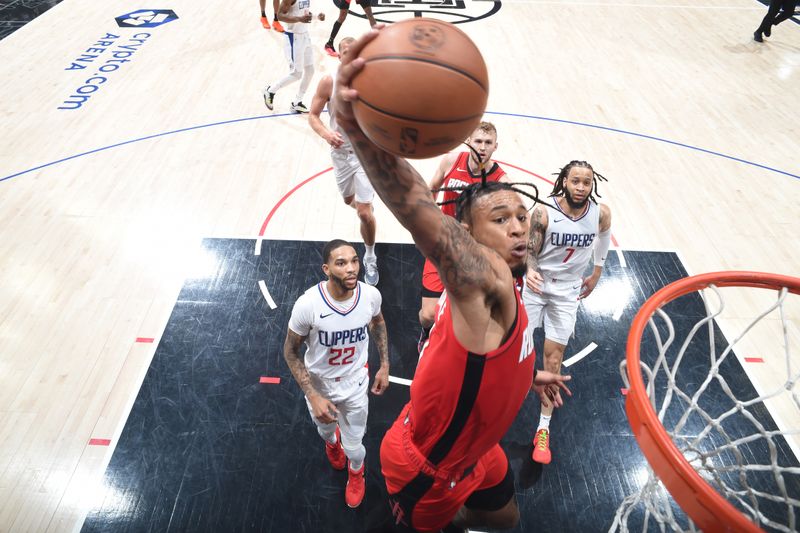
[(558, 188), (469, 193)]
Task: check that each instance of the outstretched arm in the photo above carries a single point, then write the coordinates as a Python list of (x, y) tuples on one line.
[(377, 330), (464, 265), (323, 409)]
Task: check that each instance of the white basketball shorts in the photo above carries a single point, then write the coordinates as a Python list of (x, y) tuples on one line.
[(556, 308), (350, 396), (350, 176), (298, 51)]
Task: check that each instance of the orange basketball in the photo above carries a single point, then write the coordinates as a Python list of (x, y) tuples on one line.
[(423, 88)]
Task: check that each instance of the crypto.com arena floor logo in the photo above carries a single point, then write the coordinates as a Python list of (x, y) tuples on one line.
[(146, 18), (455, 11)]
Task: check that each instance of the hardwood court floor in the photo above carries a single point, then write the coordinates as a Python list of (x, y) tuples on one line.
[(103, 207)]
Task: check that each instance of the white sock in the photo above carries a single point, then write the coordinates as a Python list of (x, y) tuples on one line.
[(544, 422), (355, 455), (328, 434), (370, 250)]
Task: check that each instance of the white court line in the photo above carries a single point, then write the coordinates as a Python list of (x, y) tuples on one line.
[(267, 296), (621, 258), (258, 245), (399, 381), (618, 313), (580, 355)]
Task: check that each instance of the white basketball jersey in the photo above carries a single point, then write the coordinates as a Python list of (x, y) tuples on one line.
[(298, 9), (337, 333), (567, 247), (346, 147)]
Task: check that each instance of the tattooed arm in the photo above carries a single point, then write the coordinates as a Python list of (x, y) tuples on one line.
[(535, 242), (467, 269), (377, 330), (323, 409), (478, 281)]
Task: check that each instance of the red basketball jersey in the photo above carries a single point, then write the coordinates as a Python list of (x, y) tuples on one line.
[(460, 176), (463, 403)]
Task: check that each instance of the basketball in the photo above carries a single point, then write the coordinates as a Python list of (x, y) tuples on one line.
[(422, 90)]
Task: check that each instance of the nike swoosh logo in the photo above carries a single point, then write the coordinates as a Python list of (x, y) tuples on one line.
[(360, 382), (555, 221), (461, 169), (325, 316)]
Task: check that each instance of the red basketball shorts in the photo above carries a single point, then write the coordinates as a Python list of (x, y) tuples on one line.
[(424, 499), (432, 286)]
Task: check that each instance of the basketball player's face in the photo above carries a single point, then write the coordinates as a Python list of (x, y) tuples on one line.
[(578, 186), (500, 221), (484, 143), (342, 268)]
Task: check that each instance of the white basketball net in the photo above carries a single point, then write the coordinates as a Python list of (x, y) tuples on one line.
[(759, 483)]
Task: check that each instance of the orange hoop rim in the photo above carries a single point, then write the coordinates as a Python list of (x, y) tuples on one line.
[(704, 505)]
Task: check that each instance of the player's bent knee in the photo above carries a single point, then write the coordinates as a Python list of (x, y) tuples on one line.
[(364, 212)]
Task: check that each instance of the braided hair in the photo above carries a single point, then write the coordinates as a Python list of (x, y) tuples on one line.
[(558, 188)]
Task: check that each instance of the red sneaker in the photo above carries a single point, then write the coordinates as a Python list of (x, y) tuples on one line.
[(356, 487), (277, 26), (330, 50), (265, 23), (541, 447), (335, 453)]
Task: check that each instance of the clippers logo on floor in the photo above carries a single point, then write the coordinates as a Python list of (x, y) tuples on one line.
[(146, 18)]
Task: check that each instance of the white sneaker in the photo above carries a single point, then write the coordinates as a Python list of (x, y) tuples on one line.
[(299, 107), (268, 98), (371, 276)]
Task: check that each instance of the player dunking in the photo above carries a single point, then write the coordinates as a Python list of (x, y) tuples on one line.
[(335, 319), (562, 241), (456, 170), (441, 459), (353, 184)]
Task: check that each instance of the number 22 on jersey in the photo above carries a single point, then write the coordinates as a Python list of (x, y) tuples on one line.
[(341, 356)]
